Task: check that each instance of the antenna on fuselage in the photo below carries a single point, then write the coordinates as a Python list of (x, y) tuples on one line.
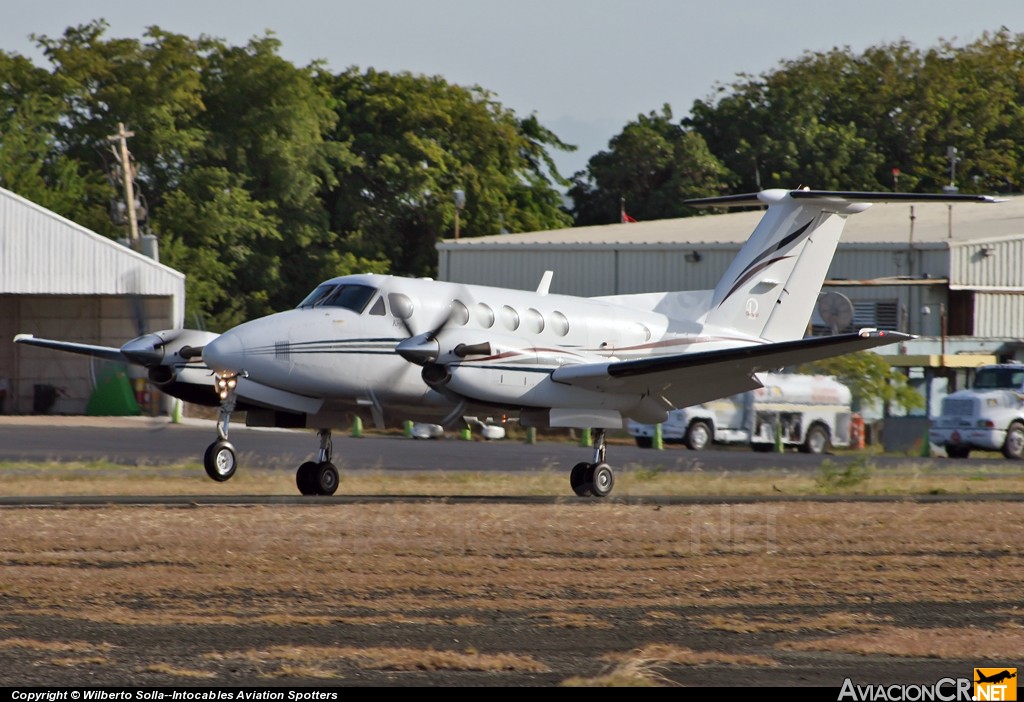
[(545, 282)]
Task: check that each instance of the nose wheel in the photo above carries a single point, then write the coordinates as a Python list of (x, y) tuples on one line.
[(594, 479), (220, 461)]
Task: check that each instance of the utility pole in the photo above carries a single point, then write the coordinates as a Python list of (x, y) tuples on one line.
[(951, 154), (124, 158)]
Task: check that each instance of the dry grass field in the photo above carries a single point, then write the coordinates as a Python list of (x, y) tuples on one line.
[(575, 594)]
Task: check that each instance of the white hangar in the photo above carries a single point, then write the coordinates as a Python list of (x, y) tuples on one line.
[(60, 280), (927, 269)]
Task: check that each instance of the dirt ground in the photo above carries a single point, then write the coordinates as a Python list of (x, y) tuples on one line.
[(497, 594)]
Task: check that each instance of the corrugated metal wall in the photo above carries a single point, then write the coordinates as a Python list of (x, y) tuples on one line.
[(988, 265), (867, 261), (999, 315), (589, 271)]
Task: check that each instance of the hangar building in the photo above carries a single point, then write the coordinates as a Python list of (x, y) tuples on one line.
[(59, 280)]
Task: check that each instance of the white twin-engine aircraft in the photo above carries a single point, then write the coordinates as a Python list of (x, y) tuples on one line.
[(401, 349)]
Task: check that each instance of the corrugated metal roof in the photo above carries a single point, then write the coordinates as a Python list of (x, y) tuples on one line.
[(42, 253), (880, 224)]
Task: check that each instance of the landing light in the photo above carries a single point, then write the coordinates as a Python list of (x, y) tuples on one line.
[(226, 384)]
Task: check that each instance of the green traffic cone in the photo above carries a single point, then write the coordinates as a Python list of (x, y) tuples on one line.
[(926, 446), (357, 428)]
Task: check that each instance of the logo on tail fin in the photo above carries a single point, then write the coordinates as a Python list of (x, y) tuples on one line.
[(757, 264)]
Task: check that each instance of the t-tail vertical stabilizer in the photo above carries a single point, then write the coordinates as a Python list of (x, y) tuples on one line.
[(770, 289)]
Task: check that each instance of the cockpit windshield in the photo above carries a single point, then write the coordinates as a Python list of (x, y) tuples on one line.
[(317, 296), (991, 378), (349, 297)]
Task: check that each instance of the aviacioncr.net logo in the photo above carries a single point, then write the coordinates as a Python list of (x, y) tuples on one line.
[(995, 684), (943, 690)]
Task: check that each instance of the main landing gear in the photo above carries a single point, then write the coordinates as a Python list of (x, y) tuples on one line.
[(319, 477), (593, 479), (313, 478)]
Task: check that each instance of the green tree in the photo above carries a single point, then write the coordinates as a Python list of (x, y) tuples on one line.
[(787, 128), (839, 119), (652, 166), (32, 163), (415, 140), (152, 85), (870, 380), (265, 120)]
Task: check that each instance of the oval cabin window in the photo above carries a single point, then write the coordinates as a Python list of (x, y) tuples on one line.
[(484, 315), (559, 323), (534, 321), (510, 318)]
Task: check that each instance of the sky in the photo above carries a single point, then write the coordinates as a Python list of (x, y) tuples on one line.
[(584, 67)]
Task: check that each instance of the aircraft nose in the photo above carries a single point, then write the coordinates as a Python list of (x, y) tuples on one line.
[(225, 353)]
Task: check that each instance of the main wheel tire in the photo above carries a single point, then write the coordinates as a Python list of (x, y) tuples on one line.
[(579, 479), (698, 435), (326, 479), (219, 460), (644, 441), (957, 451), (602, 479), (1013, 447), (816, 440), (305, 478)]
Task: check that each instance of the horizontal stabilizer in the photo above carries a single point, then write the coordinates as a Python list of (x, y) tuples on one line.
[(767, 197)]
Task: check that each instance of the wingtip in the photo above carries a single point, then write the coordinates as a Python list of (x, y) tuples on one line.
[(879, 333), (23, 337)]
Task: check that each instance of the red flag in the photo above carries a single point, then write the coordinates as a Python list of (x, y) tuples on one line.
[(622, 212)]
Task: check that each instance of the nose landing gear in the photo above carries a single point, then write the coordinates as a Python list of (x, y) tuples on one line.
[(219, 460)]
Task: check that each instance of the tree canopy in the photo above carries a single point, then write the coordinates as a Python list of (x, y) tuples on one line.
[(261, 177), (883, 119)]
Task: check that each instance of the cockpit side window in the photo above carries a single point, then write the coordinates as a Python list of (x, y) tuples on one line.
[(377, 309)]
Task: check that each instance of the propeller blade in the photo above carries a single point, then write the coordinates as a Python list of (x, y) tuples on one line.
[(424, 348), (420, 349)]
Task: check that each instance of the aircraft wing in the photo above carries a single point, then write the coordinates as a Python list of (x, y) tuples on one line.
[(108, 353), (692, 378)]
